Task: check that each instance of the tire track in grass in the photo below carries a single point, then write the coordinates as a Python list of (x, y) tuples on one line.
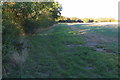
[(100, 41)]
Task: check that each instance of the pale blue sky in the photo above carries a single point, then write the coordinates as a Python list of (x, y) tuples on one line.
[(90, 8)]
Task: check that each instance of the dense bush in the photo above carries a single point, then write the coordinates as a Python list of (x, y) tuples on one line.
[(10, 37), (9, 31), (30, 26), (44, 23), (23, 18)]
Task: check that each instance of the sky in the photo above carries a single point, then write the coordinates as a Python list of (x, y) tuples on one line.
[(89, 8)]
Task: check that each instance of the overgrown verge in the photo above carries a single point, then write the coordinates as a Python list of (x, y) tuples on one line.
[(14, 48), (21, 19)]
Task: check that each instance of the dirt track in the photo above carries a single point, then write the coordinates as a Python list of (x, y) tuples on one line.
[(93, 40)]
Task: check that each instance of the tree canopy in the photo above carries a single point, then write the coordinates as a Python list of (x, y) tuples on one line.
[(20, 12)]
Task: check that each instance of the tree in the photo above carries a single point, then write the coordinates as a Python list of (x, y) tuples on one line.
[(24, 18), (21, 12)]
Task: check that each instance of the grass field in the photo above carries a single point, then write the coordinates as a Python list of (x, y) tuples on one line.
[(101, 36), (64, 52)]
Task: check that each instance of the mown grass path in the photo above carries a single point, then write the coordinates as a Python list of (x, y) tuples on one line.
[(51, 57)]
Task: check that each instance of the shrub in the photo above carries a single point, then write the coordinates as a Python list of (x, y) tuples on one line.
[(30, 25), (10, 32), (10, 35)]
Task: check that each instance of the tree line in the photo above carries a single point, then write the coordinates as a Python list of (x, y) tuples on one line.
[(63, 19), (20, 19)]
